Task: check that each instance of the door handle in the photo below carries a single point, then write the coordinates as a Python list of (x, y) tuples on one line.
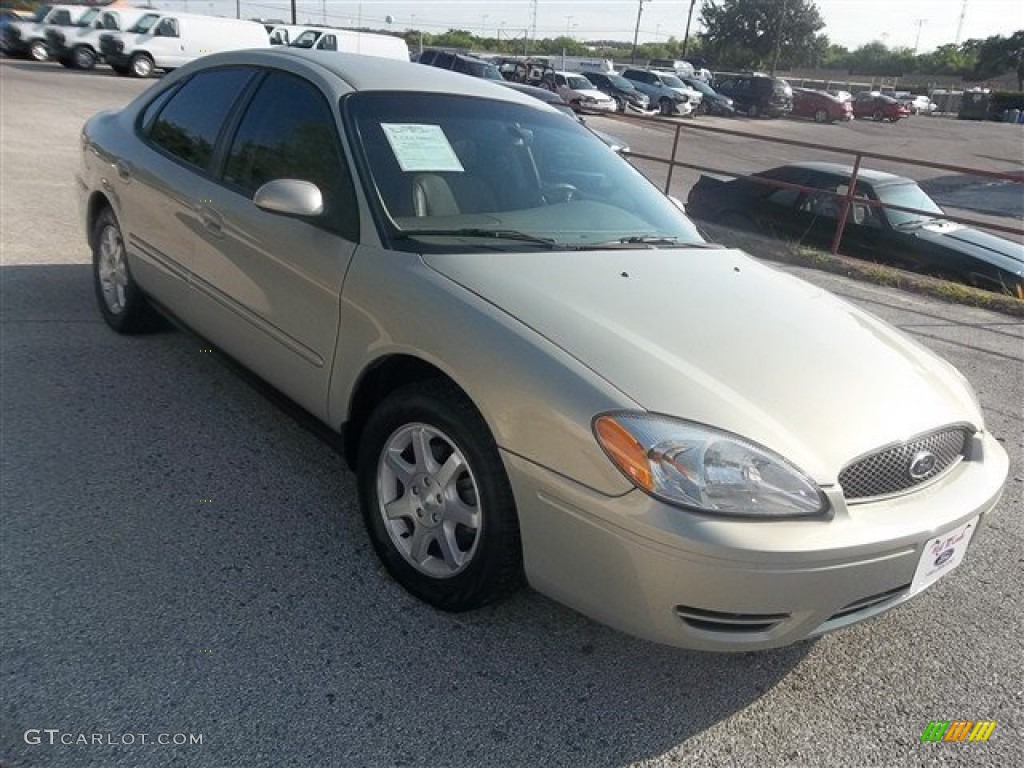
[(212, 221)]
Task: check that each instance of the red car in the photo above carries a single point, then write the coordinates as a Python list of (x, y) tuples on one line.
[(879, 107), (823, 107)]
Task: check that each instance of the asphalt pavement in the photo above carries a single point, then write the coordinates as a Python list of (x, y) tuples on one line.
[(185, 581)]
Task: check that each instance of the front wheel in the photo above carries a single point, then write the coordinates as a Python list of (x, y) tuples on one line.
[(666, 106), (84, 58), (38, 51), (821, 116), (122, 303), (141, 65), (436, 501)]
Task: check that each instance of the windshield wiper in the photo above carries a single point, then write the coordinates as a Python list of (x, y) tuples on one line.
[(493, 234), (649, 241)]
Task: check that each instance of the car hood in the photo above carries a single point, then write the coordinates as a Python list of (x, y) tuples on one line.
[(713, 336), (1004, 253)]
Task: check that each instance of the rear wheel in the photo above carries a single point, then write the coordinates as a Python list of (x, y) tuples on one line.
[(141, 65), (122, 303), (879, 116), (38, 51), (435, 498)]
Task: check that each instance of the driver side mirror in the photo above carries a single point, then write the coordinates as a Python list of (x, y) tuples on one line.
[(292, 197)]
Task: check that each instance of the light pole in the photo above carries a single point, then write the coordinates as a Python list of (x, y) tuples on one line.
[(917, 40), (689, 18), (636, 32)]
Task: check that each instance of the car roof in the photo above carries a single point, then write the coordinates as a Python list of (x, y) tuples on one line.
[(364, 73), (867, 174)]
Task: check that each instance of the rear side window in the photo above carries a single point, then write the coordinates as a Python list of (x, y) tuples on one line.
[(188, 126), (288, 132)]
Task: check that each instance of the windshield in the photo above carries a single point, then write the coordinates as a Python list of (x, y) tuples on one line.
[(701, 86), (908, 196), (579, 83), (620, 82), (146, 23), (86, 18), (457, 173)]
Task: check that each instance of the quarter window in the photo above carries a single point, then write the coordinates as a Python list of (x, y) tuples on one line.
[(189, 124), (288, 132)]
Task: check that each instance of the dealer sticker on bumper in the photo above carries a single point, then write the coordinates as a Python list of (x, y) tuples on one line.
[(941, 555)]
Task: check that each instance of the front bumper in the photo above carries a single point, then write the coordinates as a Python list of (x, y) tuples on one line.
[(598, 107), (717, 584)]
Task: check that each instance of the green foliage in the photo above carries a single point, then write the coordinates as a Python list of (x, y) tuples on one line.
[(759, 33)]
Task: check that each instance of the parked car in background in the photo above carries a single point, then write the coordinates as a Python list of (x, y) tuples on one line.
[(627, 97), (757, 95), (878, 107), (666, 91), (712, 102), (27, 38), (79, 47), (916, 241), (540, 371), (555, 101), (168, 40), (918, 104), (580, 94), (821, 106), (460, 62)]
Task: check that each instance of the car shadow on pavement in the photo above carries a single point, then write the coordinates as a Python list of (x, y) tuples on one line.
[(182, 553)]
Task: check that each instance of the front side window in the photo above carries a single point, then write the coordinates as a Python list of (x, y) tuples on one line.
[(188, 125), (167, 28), (143, 25), (448, 171), (288, 132), (61, 17)]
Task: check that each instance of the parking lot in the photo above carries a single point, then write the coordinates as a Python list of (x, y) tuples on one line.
[(182, 554)]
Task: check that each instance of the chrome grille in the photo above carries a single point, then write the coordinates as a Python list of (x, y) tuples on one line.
[(898, 468)]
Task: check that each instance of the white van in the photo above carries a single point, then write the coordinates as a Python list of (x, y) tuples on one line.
[(28, 38), (79, 47), (348, 41), (162, 40)]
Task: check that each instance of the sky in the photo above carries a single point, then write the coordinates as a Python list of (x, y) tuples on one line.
[(924, 24)]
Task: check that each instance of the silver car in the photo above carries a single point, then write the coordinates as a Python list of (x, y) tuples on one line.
[(540, 370)]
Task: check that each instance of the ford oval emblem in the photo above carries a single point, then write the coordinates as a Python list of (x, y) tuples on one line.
[(921, 465), (944, 558)]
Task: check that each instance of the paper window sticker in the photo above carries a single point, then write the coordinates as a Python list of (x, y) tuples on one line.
[(419, 147)]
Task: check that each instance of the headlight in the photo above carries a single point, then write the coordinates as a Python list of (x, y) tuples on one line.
[(705, 469)]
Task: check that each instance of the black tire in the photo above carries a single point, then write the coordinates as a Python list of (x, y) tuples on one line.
[(426, 495), (821, 116), (141, 65), (666, 106), (879, 116), (38, 51), (84, 57), (620, 104), (122, 303)]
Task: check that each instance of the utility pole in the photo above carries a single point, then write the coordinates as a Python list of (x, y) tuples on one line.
[(778, 38), (960, 24), (917, 40), (689, 18), (636, 32)]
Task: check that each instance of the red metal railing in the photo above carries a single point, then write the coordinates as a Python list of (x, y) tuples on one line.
[(846, 199)]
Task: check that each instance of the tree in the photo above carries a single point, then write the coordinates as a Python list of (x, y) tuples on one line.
[(998, 55), (758, 33)]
